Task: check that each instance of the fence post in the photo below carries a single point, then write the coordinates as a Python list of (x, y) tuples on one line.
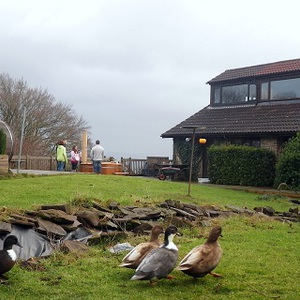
[(129, 166)]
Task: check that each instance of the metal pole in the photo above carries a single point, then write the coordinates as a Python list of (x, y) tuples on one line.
[(21, 140), (191, 163)]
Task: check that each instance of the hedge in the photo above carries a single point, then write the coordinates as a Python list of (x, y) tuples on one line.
[(2, 142), (241, 165), (288, 165)]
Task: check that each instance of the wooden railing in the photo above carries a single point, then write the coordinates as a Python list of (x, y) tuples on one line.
[(145, 167), (131, 166), (28, 162)]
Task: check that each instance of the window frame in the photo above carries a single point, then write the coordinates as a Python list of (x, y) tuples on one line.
[(219, 89), (258, 82), (269, 84)]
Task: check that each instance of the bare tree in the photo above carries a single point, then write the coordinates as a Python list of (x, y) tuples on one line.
[(46, 121)]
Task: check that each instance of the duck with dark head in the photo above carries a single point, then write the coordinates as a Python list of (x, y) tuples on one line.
[(8, 256), (160, 262)]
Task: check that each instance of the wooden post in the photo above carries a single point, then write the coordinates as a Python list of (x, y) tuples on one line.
[(3, 164), (129, 166), (84, 147), (50, 163)]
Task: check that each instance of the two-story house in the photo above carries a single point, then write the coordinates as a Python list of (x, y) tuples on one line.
[(257, 106)]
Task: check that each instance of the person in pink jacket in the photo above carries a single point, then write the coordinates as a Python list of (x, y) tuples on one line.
[(75, 158)]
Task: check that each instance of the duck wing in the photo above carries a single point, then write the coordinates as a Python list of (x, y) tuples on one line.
[(137, 254), (157, 264), (6, 262), (195, 256), (201, 260)]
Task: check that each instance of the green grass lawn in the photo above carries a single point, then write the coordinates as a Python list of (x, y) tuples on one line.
[(260, 261)]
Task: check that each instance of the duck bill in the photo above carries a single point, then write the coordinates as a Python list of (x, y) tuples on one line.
[(18, 244)]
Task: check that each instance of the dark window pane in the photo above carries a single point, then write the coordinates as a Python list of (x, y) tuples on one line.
[(235, 93), (252, 92), (285, 89), (217, 96), (256, 143), (264, 91)]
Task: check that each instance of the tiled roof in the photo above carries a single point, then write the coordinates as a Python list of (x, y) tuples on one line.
[(264, 118), (258, 71)]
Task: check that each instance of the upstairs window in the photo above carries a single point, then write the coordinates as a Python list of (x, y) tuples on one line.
[(280, 89), (285, 89), (234, 94)]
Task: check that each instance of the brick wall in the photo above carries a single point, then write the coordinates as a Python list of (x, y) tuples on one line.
[(270, 143)]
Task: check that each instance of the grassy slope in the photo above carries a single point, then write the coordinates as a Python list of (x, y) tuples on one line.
[(260, 255), (31, 191)]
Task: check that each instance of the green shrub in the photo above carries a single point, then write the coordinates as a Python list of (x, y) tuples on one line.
[(241, 165), (2, 142), (183, 153), (288, 165)]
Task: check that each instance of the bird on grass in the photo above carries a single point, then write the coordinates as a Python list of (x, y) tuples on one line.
[(203, 259), (159, 262), (137, 254), (8, 256)]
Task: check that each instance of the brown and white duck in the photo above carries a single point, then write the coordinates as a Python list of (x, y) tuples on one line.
[(137, 254), (8, 256), (160, 262), (202, 259)]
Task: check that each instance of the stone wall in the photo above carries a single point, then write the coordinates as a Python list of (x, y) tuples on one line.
[(272, 144)]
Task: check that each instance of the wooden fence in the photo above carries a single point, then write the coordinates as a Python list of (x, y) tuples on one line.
[(131, 166), (28, 162), (145, 167)]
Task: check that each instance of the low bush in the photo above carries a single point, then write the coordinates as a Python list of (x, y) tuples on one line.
[(241, 165), (2, 142), (288, 165)]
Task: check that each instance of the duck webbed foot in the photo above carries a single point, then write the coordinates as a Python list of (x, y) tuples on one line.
[(3, 279)]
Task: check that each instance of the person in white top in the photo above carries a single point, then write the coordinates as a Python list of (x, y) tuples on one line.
[(97, 155), (75, 158)]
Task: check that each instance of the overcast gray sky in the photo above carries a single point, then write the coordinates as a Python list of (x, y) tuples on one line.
[(135, 68)]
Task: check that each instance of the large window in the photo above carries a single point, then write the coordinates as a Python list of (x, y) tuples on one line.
[(235, 93), (280, 89), (285, 89)]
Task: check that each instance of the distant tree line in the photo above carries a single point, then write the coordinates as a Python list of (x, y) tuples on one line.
[(46, 120)]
